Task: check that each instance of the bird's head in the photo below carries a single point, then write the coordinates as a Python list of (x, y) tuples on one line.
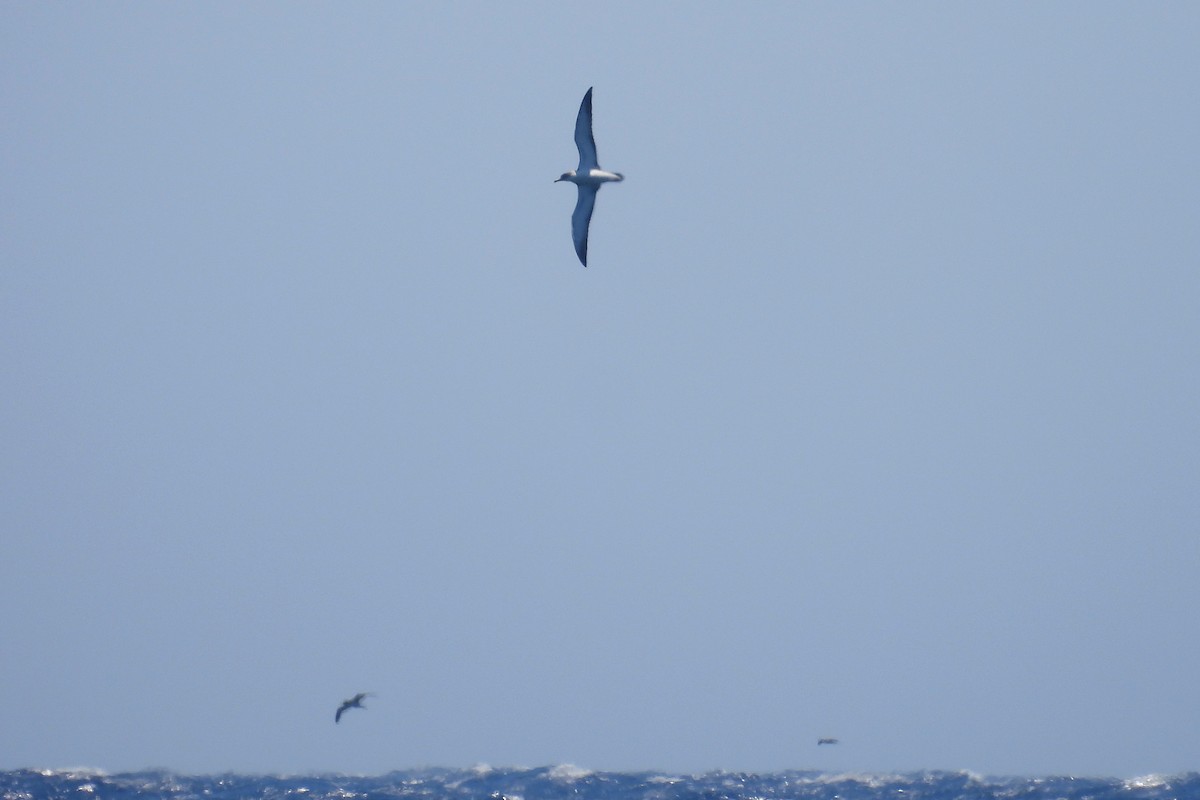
[(566, 176)]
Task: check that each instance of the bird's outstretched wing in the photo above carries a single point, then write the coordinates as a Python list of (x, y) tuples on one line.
[(582, 218), (584, 139), (338, 716)]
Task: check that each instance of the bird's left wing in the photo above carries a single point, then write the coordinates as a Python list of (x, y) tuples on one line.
[(583, 136)]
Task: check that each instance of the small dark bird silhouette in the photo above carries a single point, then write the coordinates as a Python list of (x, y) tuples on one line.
[(826, 741), (588, 177), (353, 702)]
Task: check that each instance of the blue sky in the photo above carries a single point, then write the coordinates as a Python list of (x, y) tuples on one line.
[(874, 415)]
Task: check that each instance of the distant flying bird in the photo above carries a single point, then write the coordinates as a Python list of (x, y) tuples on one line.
[(588, 177), (826, 741), (353, 702)]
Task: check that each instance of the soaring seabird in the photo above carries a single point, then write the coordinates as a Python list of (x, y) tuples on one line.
[(826, 740), (353, 702), (588, 177)]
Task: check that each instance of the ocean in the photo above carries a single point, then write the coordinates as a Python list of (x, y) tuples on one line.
[(571, 783)]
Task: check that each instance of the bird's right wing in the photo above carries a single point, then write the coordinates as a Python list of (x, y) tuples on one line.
[(582, 218), (583, 136), (338, 716)]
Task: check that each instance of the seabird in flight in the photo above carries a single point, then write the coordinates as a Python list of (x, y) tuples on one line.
[(826, 740), (353, 702), (588, 177)]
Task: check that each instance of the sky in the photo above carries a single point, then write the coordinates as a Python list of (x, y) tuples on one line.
[(874, 415)]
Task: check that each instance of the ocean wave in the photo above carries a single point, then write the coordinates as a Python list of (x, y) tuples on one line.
[(571, 782), (568, 772), (1147, 782)]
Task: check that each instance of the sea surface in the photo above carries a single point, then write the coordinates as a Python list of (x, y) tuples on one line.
[(571, 783)]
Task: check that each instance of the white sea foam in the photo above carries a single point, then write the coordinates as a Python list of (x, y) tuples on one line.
[(1152, 781), (74, 772), (568, 772), (871, 780), (664, 779)]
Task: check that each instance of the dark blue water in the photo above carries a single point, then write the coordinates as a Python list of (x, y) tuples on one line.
[(569, 783)]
